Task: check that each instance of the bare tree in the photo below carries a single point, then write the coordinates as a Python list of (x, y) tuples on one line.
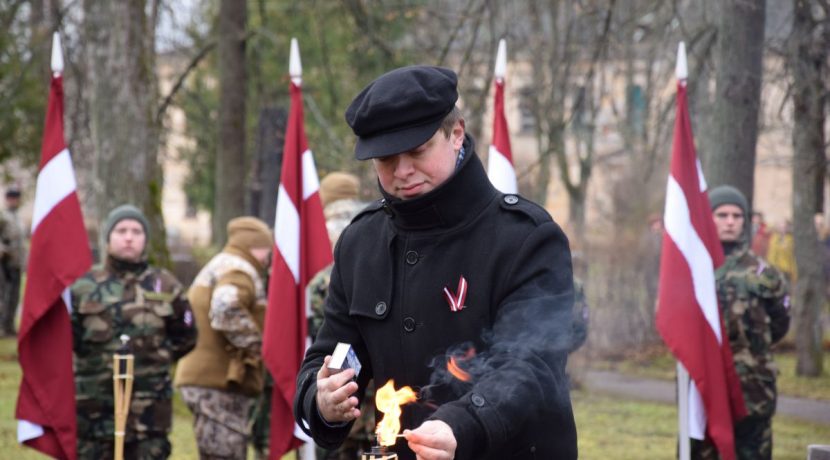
[(738, 95), (119, 46), (810, 45), (230, 157)]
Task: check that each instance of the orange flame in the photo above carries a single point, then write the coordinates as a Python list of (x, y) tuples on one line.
[(389, 402), (455, 370)]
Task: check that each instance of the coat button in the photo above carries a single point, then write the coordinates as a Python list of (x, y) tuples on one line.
[(411, 257), (477, 400), (409, 324), (380, 308), (511, 199)]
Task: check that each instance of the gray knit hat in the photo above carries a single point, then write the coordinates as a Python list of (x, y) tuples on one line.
[(727, 194), (125, 211)]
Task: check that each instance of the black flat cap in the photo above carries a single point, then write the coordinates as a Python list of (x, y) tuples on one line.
[(401, 110)]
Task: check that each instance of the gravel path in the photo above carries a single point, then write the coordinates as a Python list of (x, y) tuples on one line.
[(662, 391)]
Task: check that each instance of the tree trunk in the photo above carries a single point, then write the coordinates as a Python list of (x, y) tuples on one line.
[(230, 158), (808, 180), (122, 93), (737, 99), (270, 140)]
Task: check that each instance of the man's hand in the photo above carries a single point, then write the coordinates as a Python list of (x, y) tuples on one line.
[(334, 395), (433, 440)]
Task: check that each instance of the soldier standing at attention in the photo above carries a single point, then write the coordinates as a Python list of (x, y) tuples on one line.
[(755, 306), (126, 295), (12, 260)]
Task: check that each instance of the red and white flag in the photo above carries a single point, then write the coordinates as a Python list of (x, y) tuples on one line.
[(302, 249), (688, 316), (58, 256), (500, 158)]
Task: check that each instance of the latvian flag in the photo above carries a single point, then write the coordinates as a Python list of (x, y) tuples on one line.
[(688, 317), (59, 255)]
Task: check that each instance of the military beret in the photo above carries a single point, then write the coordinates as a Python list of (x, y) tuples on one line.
[(401, 110), (727, 194)]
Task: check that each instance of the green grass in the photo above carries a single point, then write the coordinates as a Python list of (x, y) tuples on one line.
[(608, 427), (657, 362)]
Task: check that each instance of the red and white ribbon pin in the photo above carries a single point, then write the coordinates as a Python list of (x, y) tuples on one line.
[(457, 301)]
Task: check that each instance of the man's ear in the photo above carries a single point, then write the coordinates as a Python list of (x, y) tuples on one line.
[(457, 136)]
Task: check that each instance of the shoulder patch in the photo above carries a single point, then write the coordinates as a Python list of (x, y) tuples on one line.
[(519, 204)]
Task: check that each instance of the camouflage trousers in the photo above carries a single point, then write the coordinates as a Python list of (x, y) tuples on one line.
[(260, 419), (220, 422), (753, 441), (9, 298), (153, 447)]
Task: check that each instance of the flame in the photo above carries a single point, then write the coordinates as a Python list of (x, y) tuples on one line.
[(389, 402), (455, 369)]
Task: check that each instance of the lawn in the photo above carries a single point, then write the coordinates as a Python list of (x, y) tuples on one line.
[(608, 427)]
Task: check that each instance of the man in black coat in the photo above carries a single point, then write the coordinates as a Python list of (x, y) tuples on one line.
[(444, 266)]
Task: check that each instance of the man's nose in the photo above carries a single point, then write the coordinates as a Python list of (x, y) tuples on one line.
[(403, 166)]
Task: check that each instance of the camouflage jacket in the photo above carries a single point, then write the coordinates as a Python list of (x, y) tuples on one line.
[(317, 290), (579, 325), (755, 308), (146, 304), (12, 250)]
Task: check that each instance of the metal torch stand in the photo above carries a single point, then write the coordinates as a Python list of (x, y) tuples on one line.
[(378, 453), (122, 385)]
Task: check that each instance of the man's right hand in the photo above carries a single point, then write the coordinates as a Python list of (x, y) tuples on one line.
[(334, 395)]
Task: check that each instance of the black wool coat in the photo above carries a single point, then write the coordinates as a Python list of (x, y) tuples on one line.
[(386, 299)]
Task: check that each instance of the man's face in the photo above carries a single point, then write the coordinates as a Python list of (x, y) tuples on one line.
[(411, 174), (12, 202), (127, 240), (729, 221), (262, 255)]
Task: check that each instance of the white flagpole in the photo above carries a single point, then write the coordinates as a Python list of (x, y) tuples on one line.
[(307, 450), (682, 73)]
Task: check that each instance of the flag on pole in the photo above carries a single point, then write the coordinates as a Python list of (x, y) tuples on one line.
[(302, 249), (500, 158), (688, 317), (58, 256)]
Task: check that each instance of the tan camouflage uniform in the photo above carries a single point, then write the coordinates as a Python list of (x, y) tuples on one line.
[(224, 374), (755, 307), (146, 304)]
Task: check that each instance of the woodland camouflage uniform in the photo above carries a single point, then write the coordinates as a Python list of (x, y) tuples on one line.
[(146, 304), (754, 302), (12, 261)]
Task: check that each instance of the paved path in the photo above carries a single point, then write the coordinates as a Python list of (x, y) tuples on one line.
[(662, 391)]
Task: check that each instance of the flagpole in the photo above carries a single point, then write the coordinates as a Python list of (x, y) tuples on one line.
[(682, 73), (500, 167)]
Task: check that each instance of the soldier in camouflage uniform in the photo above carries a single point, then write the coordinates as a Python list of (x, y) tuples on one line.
[(12, 260), (755, 307), (222, 377), (339, 192), (125, 295)]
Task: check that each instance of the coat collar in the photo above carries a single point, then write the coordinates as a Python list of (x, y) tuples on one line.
[(452, 203)]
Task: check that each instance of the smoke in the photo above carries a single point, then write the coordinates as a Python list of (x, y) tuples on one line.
[(528, 345)]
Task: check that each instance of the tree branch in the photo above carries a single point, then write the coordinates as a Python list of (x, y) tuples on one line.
[(180, 81)]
